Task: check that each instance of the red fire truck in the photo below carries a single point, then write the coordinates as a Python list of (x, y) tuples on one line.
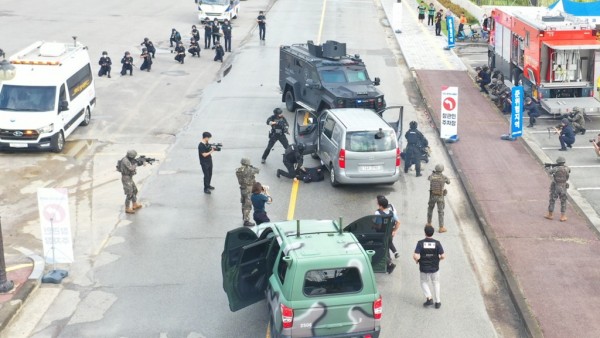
[(553, 55)]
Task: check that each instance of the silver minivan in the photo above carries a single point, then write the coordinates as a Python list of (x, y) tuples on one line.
[(356, 145)]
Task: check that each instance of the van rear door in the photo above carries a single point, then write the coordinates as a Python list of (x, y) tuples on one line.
[(370, 153), (373, 233)]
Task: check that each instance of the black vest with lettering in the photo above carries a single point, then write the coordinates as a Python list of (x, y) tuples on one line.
[(430, 259)]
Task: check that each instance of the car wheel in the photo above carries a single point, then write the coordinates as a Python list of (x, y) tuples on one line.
[(87, 117), (57, 143), (290, 100), (332, 178)]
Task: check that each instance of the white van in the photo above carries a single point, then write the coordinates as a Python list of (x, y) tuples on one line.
[(51, 95), (218, 9)]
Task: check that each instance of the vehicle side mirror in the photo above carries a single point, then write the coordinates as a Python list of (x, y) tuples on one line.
[(64, 105), (377, 81)]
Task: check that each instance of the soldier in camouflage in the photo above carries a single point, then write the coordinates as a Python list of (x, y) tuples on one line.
[(437, 191), (558, 188), (127, 168), (246, 178)]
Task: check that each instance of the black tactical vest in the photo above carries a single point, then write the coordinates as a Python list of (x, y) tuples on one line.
[(430, 260)]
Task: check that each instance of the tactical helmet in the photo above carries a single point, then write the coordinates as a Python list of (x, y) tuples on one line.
[(439, 168), (413, 124), (528, 100), (477, 68), (105, 53), (576, 109), (146, 39), (144, 49), (560, 160), (301, 147), (127, 53), (245, 161), (564, 121), (131, 153), (277, 111)]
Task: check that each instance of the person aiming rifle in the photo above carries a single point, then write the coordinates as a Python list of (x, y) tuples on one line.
[(558, 188), (127, 167), (279, 127)]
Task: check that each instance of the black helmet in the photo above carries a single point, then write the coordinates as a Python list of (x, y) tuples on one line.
[(277, 111), (301, 147), (105, 53), (144, 49), (413, 124), (528, 100), (146, 39)]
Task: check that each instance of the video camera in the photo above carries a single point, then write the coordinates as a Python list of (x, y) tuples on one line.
[(143, 159), (216, 146)]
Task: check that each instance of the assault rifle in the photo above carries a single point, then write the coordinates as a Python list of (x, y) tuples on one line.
[(143, 159), (553, 130), (551, 165)]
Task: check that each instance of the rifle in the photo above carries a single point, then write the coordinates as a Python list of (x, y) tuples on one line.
[(553, 130), (143, 159)]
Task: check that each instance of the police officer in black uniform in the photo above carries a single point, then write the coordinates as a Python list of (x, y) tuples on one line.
[(215, 32), (127, 62), (194, 48), (207, 33), (279, 127), (416, 141), (179, 52), (293, 159), (175, 37), (147, 63), (149, 46), (105, 64), (195, 33), (226, 28)]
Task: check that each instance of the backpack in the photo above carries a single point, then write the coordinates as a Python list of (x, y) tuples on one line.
[(119, 165)]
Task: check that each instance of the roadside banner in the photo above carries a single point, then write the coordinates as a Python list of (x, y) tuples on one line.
[(516, 116), (53, 204), (450, 28), (449, 120)]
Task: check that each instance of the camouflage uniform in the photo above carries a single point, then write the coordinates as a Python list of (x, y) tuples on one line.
[(436, 195), (558, 188), (246, 178), (577, 121), (128, 169)]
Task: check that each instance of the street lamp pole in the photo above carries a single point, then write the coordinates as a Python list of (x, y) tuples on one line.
[(5, 285)]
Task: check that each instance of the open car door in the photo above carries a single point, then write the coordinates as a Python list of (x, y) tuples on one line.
[(306, 129), (373, 233), (244, 267), (394, 116)]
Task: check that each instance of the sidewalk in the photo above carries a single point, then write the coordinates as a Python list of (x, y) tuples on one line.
[(25, 272), (551, 268)]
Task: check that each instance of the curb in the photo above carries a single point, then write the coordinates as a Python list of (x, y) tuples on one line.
[(11, 308)]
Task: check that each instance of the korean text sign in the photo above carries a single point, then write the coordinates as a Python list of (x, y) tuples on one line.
[(449, 118)]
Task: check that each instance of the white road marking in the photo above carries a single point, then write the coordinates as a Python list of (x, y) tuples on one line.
[(590, 188)]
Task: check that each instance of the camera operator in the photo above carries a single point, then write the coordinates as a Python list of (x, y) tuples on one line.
[(279, 127), (127, 167), (205, 151), (260, 196)]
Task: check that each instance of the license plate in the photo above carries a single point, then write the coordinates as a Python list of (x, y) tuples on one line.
[(18, 145), (369, 168)]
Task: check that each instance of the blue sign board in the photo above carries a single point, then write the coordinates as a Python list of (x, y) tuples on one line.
[(516, 116), (450, 29)]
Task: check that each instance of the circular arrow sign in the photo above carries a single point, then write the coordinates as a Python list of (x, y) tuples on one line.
[(449, 103)]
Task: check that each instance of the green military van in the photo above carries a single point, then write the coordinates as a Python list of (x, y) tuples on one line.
[(318, 279)]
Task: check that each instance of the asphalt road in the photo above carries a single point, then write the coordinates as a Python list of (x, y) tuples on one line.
[(157, 273)]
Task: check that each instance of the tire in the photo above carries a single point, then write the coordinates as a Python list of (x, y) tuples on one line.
[(57, 143), (87, 117), (332, 178), (290, 100)]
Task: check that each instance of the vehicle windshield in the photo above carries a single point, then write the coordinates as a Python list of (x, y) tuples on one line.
[(347, 75), (27, 98), (370, 141), (215, 2)]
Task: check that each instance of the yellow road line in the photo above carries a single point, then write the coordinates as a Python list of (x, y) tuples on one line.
[(18, 266), (322, 22), (293, 195)]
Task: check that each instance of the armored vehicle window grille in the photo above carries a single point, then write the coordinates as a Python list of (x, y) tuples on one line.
[(346, 75), (356, 75), (333, 76), (27, 98), (332, 281), (367, 141)]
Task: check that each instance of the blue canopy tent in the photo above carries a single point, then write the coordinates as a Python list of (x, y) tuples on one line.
[(590, 10)]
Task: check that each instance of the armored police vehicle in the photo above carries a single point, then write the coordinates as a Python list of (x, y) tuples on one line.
[(320, 77), (317, 277)]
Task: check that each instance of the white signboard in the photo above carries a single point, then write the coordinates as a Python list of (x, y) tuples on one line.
[(449, 120), (53, 205)]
